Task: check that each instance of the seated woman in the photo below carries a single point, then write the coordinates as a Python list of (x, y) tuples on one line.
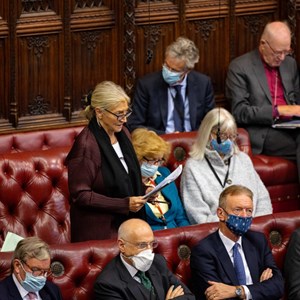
[(215, 163), (166, 210)]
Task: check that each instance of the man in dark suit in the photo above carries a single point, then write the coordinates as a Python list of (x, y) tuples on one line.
[(176, 98), (138, 273), (292, 266), (263, 88), (234, 262), (30, 268)]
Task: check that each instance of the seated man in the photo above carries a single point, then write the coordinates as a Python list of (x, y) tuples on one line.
[(292, 266), (176, 98), (263, 88), (30, 268), (234, 262), (138, 273)]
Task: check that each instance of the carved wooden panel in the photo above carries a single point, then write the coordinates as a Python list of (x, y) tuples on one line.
[(52, 52), (4, 62)]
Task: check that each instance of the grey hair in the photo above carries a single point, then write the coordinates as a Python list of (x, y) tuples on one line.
[(184, 49), (209, 123), (31, 247), (106, 95)]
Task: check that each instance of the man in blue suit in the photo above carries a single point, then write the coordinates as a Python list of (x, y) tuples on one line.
[(30, 268), (234, 262), (176, 98)]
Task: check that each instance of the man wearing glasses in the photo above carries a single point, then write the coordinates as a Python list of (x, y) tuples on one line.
[(175, 98), (263, 88), (138, 273), (30, 269)]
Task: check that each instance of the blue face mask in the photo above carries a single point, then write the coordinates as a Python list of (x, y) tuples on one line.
[(238, 225), (223, 148), (148, 170), (33, 283), (170, 77)]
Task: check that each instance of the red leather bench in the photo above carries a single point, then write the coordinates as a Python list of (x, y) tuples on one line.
[(76, 266), (34, 196)]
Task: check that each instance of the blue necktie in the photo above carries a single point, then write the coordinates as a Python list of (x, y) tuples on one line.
[(238, 265), (178, 109)]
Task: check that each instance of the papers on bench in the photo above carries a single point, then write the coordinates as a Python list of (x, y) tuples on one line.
[(173, 176), (288, 125), (10, 242)]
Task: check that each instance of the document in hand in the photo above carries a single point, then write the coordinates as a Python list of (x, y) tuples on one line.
[(173, 176), (288, 125)]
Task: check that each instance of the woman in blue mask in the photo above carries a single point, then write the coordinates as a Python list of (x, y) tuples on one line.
[(165, 210), (215, 163)]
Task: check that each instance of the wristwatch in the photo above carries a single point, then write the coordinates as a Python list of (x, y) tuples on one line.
[(239, 291)]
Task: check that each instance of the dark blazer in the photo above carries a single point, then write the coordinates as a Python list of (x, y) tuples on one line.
[(9, 291), (150, 102), (115, 282), (210, 261), (248, 92), (176, 215), (292, 266), (94, 215)]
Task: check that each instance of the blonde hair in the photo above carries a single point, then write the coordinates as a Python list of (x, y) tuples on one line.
[(148, 143), (184, 49), (210, 122), (106, 95), (31, 247)]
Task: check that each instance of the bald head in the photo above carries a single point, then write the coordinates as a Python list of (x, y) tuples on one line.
[(277, 31), (133, 228)]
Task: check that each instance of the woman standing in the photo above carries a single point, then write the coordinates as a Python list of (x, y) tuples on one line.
[(215, 163), (165, 210), (103, 171)]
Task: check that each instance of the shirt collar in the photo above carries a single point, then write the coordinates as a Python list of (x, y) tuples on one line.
[(131, 269), (228, 243)]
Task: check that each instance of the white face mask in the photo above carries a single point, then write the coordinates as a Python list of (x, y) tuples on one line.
[(143, 260)]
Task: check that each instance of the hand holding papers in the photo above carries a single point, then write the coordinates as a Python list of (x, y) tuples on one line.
[(173, 176)]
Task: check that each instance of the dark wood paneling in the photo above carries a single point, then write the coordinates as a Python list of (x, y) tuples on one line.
[(52, 52)]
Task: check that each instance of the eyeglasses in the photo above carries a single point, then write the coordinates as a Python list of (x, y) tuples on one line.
[(238, 211), (175, 71), (121, 117), (144, 245), (154, 161), (36, 271), (224, 136), (279, 53)]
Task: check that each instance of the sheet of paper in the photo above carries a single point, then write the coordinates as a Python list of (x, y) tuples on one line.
[(288, 125), (10, 242), (173, 176)]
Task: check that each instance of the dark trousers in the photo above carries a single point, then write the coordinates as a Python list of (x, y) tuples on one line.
[(284, 143)]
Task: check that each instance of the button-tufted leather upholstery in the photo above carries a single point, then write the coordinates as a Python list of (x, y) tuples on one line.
[(33, 184), (278, 174), (76, 266), (34, 196)]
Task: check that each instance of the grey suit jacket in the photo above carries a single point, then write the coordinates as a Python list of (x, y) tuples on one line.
[(115, 282), (248, 92), (292, 266)]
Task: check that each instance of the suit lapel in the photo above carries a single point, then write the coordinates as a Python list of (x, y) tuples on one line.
[(284, 69), (155, 278), (259, 71), (137, 290), (225, 259), (251, 256), (163, 101), (192, 98)]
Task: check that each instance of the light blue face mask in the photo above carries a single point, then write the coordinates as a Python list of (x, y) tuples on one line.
[(170, 77), (148, 170), (224, 148), (32, 283)]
